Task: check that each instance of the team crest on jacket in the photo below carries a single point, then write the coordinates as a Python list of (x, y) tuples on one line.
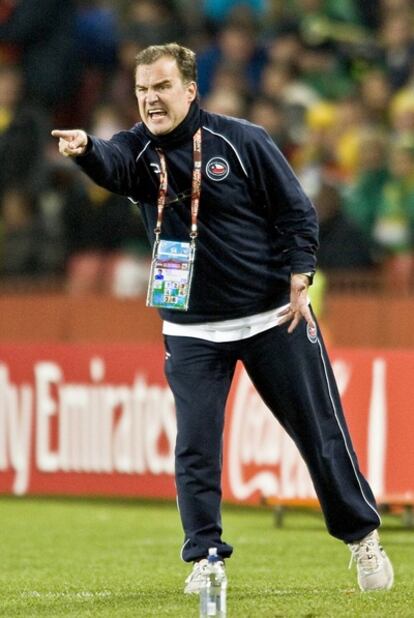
[(217, 169)]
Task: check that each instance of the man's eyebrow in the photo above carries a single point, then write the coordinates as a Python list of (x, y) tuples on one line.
[(156, 85)]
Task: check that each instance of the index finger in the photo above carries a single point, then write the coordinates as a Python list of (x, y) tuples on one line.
[(64, 134), (307, 315)]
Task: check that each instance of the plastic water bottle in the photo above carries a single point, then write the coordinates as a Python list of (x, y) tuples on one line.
[(214, 588)]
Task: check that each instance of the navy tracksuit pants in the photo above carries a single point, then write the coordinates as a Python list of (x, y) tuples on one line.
[(293, 376)]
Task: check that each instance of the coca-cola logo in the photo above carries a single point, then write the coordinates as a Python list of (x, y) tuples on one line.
[(262, 458), (264, 461)]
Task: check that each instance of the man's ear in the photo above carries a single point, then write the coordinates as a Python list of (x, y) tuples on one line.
[(192, 91)]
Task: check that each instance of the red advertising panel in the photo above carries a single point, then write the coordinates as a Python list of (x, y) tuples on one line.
[(100, 420)]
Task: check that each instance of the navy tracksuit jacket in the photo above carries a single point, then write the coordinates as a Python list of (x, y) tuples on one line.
[(256, 227), (255, 223)]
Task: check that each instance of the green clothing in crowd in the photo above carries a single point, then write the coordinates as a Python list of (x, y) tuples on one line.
[(362, 200), (394, 228)]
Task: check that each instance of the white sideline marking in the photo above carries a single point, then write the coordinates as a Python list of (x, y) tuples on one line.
[(82, 594)]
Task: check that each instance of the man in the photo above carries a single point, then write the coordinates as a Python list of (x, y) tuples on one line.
[(222, 184)]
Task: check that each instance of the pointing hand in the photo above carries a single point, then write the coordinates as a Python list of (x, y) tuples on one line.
[(72, 143)]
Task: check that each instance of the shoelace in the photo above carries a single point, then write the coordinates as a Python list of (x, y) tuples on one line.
[(366, 554)]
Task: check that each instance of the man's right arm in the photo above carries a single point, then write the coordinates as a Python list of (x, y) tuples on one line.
[(109, 163)]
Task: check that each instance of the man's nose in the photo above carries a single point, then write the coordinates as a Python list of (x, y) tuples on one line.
[(152, 96)]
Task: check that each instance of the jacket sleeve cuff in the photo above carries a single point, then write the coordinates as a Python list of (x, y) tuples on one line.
[(304, 263), (89, 147)]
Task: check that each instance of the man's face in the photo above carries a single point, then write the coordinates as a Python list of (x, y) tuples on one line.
[(163, 98)]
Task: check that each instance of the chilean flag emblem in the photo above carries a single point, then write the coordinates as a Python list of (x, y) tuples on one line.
[(217, 169)]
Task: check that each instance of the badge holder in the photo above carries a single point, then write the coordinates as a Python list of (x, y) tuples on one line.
[(173, 261), (171, 275)]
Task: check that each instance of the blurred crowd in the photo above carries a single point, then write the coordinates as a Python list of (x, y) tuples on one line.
[(331, 81)]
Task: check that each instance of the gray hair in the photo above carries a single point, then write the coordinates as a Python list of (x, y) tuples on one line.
[(184, 57)]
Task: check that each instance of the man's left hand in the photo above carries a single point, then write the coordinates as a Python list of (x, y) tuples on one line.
[(299, 305)]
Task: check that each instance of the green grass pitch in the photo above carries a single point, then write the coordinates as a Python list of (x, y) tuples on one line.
[(67, 557)]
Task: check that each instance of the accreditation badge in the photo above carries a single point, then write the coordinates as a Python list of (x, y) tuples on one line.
[(171, 275)]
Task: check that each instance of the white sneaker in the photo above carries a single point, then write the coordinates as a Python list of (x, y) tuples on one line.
[(374, 568), (195, 579)]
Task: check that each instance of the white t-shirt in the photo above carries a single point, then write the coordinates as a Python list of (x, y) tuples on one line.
[(227, 330)]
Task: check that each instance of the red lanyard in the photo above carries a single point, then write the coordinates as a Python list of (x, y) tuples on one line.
[(195, 187)]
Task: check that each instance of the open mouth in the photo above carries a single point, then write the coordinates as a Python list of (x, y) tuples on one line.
[(156, 113)]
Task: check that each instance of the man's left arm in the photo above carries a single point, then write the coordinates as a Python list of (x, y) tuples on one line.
[(293, 216)]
